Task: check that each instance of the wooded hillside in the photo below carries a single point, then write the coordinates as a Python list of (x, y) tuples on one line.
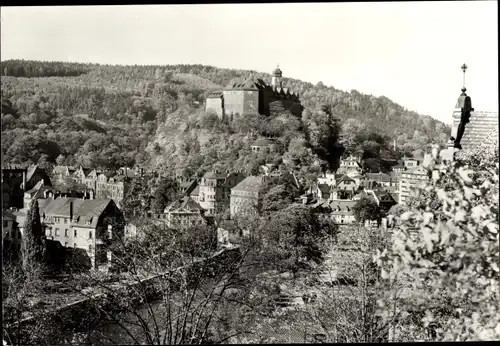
[(103, 115)]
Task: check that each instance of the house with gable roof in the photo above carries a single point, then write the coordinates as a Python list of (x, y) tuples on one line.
[(184, 212), (245, 196), (90, 225), (345, 188)]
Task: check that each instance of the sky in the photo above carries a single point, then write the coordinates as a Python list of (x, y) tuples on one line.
[(410, 52)]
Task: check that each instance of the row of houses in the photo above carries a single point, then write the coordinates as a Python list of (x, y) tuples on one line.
[(104, 184)]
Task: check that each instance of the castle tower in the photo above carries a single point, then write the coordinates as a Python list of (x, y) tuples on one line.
[(276, 80)]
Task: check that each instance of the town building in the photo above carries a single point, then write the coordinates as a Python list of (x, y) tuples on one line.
[(340, 211), (411, 162), (411, 179), (115, 187), (384, 199), (253, 96), (264, 145), (327, 178), (89, 225), (350, 165), (17, 179), (84, 224), (345, 188), (185, 212), (214, 189), (245, 196)]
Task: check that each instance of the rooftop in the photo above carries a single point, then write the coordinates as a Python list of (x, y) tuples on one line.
[(83, 209), (251, 183), (378, 176), (481, 127), (185, 203)]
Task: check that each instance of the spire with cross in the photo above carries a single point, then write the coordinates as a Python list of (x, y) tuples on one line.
[(464, 68)]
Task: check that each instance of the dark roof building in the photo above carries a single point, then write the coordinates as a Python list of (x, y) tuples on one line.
[(253, 96)]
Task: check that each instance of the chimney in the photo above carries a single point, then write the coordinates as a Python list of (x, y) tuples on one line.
[(71, 211)]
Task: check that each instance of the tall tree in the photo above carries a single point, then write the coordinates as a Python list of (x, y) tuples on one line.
[(33, 244), (366, 209), (324, 135)]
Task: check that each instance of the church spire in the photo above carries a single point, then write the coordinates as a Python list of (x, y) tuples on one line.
[(464, 68), (276, 79)]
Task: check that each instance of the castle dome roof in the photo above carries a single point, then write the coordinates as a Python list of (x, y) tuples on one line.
[(277, 72)]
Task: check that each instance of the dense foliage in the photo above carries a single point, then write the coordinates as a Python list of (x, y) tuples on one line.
[(443, 265), (33, 245)]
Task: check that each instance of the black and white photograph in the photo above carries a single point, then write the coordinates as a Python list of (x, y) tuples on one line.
[(250, 173)]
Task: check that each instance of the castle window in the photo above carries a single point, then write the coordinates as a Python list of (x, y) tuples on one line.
[(66, 233), (76, 233), (57, 231)]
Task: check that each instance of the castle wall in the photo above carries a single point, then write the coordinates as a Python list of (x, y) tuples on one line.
[(233, 101), (278, 106), (250, 102), (215, 104)]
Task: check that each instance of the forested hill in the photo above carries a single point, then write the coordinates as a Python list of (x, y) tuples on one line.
[(125, 110)]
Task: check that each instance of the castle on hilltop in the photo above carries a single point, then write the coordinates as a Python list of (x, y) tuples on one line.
[(253, 96)]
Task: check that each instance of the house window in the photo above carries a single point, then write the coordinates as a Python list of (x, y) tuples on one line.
[(57, 232), (66, 233), (65, 220), (90, 234), (76, 233)]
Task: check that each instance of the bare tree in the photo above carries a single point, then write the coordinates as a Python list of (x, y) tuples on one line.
[(176, 289)]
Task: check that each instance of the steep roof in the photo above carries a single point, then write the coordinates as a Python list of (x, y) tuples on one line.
[(251, 183), (248, 84), (417, 170), (35, 188), (31, 171), (196, 191), (324, 188), (214, 175), (185, 203), (83, 209), (215, 94), (395, 196), (480, 128), (382, 195), (92, 174), (380, 176), (341, 207)]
